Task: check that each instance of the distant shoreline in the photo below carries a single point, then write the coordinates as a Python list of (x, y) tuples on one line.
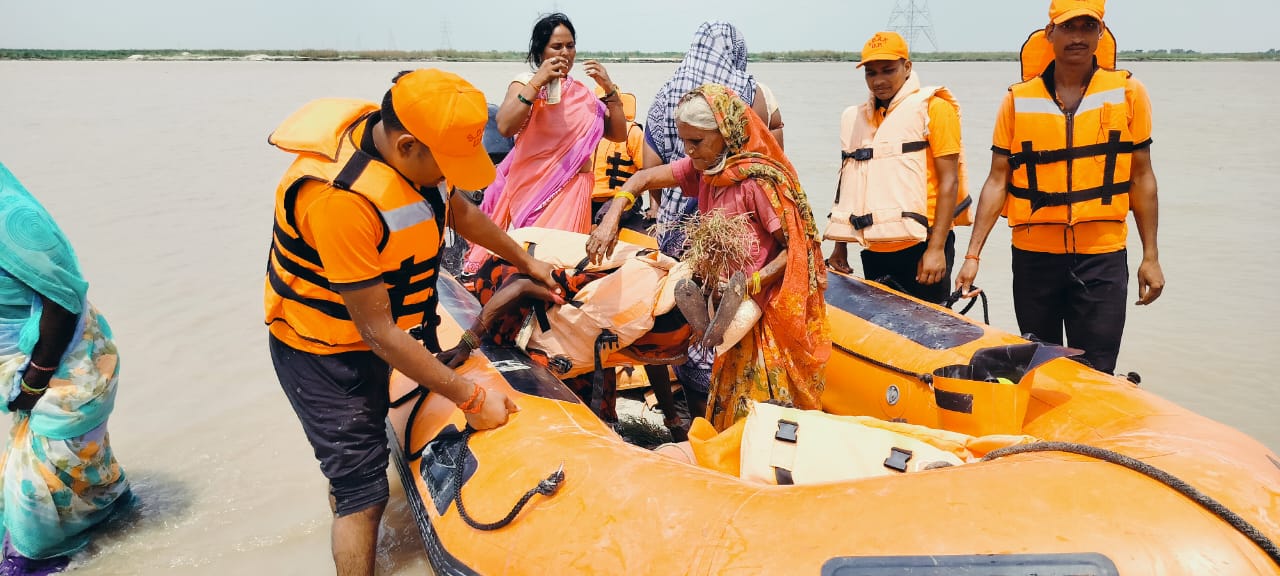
[(1176, 55)]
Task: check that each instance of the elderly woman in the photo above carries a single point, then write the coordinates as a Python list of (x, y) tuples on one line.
[(733, 164), (557, 121), (59, 369)]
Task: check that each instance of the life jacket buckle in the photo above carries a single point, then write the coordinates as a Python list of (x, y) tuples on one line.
[(863, 221), (898, 458), (787, 431), (861, 154)]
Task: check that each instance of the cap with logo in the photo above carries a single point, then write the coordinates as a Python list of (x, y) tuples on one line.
[(448, 115)]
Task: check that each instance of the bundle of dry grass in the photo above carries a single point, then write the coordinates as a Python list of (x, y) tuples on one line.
[(717, 244)]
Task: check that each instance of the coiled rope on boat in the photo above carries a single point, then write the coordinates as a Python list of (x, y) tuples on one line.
[(547, 487), (1204, 500)]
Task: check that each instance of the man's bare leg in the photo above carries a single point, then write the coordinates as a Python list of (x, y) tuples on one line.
[(693, 305), (355, 541), (732, 298)]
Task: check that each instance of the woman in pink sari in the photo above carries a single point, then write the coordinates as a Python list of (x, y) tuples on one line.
[(547, 178)]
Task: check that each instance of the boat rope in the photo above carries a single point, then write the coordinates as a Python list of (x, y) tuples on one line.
[(1204, 500), (957, 296), (926, 378), (546, 487)]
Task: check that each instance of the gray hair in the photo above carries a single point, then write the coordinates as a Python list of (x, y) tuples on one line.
[(695, 111)]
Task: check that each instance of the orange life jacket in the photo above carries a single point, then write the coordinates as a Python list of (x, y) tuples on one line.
[(1071, 168), (302, 308), (616, 162), (883, 199), (598, 327)]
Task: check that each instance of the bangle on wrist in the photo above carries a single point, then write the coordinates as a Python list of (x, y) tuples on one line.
[(33, 390), (475, 402), (630, 198), (973, 257), (470, 340), (611, 94), (39, 368), (523, 100), (755, 283)]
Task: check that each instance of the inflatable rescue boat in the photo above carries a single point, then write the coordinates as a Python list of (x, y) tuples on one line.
[(1118, 482)]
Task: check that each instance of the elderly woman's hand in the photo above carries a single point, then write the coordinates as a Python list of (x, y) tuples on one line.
[(604, 238), (597, 72)]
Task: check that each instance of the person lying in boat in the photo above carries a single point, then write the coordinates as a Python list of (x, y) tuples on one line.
[(588, 329), (733, 163)]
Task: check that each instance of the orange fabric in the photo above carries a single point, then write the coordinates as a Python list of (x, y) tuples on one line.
[(1037, 53), (326, 236), (349, 251), (722, 451), (1080, 237), (448, 115), (1062, 10), (784, 357)]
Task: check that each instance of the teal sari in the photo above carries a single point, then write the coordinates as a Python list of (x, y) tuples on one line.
[(58, 476)]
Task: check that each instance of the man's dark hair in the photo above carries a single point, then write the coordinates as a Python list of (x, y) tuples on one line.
[(390, 120), (542, 31)]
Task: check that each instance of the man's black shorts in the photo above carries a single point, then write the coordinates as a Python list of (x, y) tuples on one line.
[(341, 400)]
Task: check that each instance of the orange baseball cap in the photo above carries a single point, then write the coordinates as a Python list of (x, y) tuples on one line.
[(1062, 10), (448, 115), (884, 46)]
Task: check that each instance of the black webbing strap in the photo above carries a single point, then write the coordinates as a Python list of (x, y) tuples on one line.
[(1111, 148), (1040, 199), (866, 220), (863, 154)]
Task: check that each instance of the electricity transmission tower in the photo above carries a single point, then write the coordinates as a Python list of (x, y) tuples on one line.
[(910, 19)]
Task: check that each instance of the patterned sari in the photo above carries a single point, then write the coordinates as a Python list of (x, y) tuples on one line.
[(784, 356), (540, 183), (58, 476)]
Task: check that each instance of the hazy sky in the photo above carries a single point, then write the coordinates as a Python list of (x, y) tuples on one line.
[(649, 25)]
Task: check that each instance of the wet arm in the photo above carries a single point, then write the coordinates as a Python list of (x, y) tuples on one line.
[(370, 310), (57, 326)]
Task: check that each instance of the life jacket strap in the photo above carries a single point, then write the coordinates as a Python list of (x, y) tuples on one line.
[(1040, 199), (783, 456), (1112, 147), (863, 154), (867, 220)]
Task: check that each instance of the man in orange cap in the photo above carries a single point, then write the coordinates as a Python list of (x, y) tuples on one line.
[(1071, 158), (354, 263), (901, 179)]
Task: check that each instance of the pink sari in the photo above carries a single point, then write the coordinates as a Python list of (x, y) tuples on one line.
[(540, 183)]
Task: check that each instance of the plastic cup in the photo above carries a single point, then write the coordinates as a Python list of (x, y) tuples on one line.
[(553, 91)]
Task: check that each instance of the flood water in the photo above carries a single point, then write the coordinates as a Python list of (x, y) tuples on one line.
[(161, 175)]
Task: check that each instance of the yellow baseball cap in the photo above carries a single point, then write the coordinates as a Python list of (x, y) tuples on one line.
[(448, 115), (1062, 10), (884, 46)]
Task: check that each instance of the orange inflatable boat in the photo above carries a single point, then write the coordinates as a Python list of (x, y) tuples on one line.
[(1123, 482)]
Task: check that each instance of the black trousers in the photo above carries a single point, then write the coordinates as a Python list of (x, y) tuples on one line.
[(1083, 294), (901, 267)]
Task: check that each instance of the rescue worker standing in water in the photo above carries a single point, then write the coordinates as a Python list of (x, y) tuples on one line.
[(1071, 156), (901, 178), (354, 262)]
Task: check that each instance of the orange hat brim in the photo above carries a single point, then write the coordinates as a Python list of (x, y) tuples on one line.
[(475, 171)]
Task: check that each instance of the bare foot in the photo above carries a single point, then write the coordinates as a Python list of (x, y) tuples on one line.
[(839, 260), (693, 305), (732, 298)]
